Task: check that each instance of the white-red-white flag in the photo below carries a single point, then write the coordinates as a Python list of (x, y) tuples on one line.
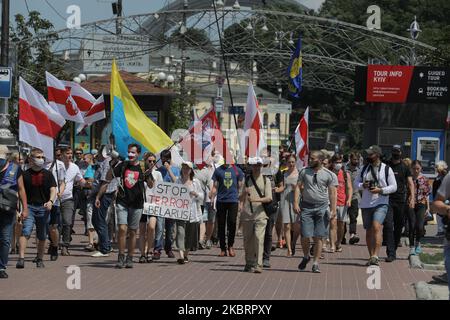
[(95, 113), (60, 98), (205, 136), (39, 124), (301, 140), (254, 134)]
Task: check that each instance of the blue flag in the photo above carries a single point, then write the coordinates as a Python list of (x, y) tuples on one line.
[(295, 71)]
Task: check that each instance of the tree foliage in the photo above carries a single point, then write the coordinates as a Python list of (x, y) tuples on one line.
[(33, 37)]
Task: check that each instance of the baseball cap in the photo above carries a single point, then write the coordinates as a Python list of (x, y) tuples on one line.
[(397, 147), (374, 149), (188, 163), (255, 160)]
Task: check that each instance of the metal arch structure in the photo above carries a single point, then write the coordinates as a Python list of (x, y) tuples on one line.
[(331, 49)]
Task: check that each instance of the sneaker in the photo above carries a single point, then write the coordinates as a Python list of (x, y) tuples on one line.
[(180, 261), (121, 262), (374, 261), (354, 239), (266, 264), (129, 262), (3, 274), (304, 262), (443, 278), (209, 244), (149, 258), (418, 249), (257, 270), (315, 268), (156, 255), (65, 251), (202, 245), (412, 251), (53, 253), (390, 259), (186, 260), (170, 254), (99, 254), (20, 263), (39, 263), (248, 268), (143, 259)]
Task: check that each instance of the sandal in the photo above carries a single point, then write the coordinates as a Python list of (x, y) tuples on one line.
[(339, 249), (181, 261)]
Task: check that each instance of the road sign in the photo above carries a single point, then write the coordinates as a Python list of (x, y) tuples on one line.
[(279, 108), (129, 50), (5, 82), (219, 104)]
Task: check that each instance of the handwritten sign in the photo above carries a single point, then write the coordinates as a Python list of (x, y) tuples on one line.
[(169, 200)]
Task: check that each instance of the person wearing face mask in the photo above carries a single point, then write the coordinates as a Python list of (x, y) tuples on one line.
[(377, 182), (11, 186), (353, 168), (130, 202), (344, 199), (317, 187), (73, 175), (40, 188), (398, 202)]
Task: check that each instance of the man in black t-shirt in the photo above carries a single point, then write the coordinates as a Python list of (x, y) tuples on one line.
[(130, 202), (11, 184), (398, 201), (40, 188)]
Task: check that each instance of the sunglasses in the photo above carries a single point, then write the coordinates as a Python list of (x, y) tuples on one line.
[(78, 153), (151, 161)]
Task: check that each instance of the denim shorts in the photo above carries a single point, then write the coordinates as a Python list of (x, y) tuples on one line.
[(39, 216), (128, 216), (313, 221), (447, 261), (209, 214), (341, 213), (377, 213)]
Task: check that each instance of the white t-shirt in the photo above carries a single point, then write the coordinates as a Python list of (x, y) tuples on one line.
[(73, 174), (61, 176)]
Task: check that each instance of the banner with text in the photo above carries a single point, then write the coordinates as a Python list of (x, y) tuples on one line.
[(407, 84), (169, 200)]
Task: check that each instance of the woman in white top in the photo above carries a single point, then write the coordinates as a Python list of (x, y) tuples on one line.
[(147, 224), (187, 231)]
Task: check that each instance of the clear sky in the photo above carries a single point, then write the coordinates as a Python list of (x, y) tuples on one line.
[(94, 10)]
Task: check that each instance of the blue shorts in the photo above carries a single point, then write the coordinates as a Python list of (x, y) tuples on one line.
[(209, 214), (377, 214), (39, 216), (313, 221)]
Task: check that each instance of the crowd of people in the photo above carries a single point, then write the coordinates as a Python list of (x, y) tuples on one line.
[(315, 205)]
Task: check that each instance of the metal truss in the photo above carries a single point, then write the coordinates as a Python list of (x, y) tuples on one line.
[(331, 49)]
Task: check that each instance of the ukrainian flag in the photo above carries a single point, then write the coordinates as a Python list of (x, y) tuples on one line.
[(129, 122), (295, 71)]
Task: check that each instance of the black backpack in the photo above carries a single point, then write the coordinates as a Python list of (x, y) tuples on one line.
[(386, 172)]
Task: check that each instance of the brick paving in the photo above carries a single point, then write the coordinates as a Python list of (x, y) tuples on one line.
[(208, 276)]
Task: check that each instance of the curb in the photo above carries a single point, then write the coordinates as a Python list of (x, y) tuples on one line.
[(415, 263), (425, 291)]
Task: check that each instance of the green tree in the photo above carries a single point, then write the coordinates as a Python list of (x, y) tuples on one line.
[(180, 112), (33, 38)]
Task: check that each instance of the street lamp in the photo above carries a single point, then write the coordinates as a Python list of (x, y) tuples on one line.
[(414, 31), (236, 5)]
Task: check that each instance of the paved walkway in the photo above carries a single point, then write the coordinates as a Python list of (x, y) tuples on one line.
[(210, 277)]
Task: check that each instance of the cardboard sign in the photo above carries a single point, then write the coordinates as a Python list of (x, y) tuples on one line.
[(169, 200)]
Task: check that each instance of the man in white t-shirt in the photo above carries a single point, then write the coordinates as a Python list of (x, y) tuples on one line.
[(73, 175), (58, 170)]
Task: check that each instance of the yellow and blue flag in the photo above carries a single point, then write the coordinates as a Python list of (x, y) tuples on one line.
[(295, 71), (129, 122)]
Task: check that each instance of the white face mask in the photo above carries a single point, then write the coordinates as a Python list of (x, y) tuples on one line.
[(131, 156), (338, 166), (38, 162)]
